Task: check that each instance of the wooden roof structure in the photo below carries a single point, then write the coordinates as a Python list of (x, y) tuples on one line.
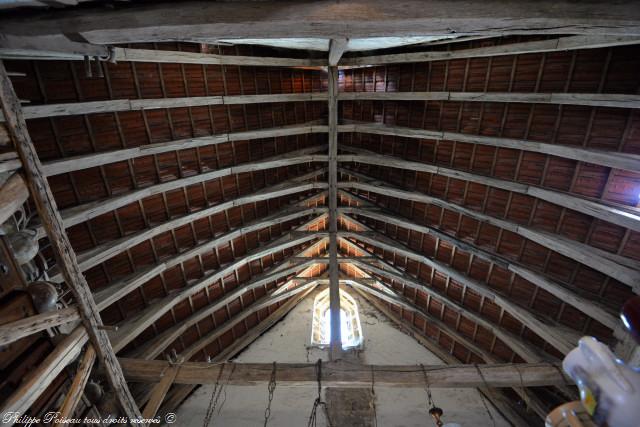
[(481, 191)]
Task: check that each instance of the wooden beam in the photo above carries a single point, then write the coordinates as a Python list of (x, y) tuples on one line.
[(343, 374), (561, 338), (590, 308), (85, 161), (108, 250), (44, 374), (611, 265), (614, 159), (76, 390), (135, 325), (526, 351), (588, 99), (13, 194), (207, 21), (9, 160), (337, 47), (560, 44), (116, 105), (10, 332), (335, 350), (60, 245), (81, 213), (117, 290), (620, 215), (159, 392)]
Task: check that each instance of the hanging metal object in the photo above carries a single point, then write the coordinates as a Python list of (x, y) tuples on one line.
[(436, 414), (44, 296), (93, 391), (271, 388), (24, 244)]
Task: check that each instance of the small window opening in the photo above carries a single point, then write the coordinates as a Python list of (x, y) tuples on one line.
[(350, 329)]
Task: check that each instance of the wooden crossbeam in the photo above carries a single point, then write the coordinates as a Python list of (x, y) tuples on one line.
[(587, 99), (117, 105), (159, 392), (337, 47), (60, 244), (609, 264), (619, 215), (624, 161), (588, 307), (560, 44), (345, 374), (10, 332), (211, 21), (85, 161)]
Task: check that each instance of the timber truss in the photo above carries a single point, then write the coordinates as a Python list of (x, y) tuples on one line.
[(341, 205)]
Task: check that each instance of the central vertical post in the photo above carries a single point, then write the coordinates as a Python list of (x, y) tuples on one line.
[(334, 284)]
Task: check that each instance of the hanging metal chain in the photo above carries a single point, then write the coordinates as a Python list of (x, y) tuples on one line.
[(426, 387), (313, 418), (373, 398), (486, 408), (213, 401), (271, 388)]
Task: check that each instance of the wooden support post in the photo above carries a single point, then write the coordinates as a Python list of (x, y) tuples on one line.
[(13, 193), (337, 47), (77, 386), (334, 285), (60, 245)]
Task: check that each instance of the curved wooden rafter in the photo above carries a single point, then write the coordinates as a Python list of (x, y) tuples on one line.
[(560, 337), (103, 252), (620, 215), (85, 161), (624, 161), (612, 265), (81, 213), (587, 99), (588, 307)]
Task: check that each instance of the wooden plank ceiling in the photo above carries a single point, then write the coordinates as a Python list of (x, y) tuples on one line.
[(488, 271)]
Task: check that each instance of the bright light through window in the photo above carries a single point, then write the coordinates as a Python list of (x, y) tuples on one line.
[(350, 329)]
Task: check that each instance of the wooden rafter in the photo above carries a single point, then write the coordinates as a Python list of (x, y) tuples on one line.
[(587, 99), (607, 263), (614, 159)]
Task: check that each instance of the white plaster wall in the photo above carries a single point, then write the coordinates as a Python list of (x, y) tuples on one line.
[(287, 342)]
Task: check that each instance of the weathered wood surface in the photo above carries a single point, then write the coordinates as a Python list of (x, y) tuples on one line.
[(40, 378), (159, 392), (108, 250), (13, 194), (609, 265), (623, 216), (588, 99), (559, 44), (10, 332), (210, 21), (76, 390), (334, 286), (344, 374), (337, 47), (115, 105), (590, 308), (60, 245), (624, 161), (81, 213), (85, 161)]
